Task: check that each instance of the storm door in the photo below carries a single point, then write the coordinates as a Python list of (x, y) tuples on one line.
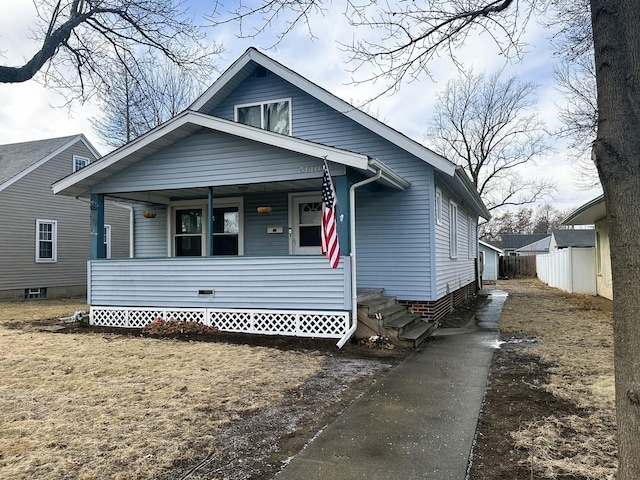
[(306, 216)]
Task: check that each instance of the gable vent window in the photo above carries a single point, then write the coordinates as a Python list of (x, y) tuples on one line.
[(261, 72), (274, 116)]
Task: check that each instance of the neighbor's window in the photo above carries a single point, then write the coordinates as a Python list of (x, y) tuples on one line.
[(274, 116), (46, 241), (453, 230), (438, 206), (79, 162), (107, 241)]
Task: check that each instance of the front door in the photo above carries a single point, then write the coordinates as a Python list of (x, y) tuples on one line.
[(306, 216)]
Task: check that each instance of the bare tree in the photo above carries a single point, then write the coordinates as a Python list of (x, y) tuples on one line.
[(412, 33), (82, 42), (576, 79), (142, 96), (490, 127)]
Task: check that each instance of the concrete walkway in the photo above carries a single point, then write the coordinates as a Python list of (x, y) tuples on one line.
[(419, 420)]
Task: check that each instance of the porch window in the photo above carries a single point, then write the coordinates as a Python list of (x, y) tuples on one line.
[(453, 230), (46, 241), (226, 227), (274, 116), (188, 232)]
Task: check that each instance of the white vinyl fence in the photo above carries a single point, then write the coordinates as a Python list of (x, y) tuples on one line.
[(572, 269)]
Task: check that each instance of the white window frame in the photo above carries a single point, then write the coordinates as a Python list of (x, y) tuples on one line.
[(453, 229), (262, 104), (206, 228), (77, 160), (438, 206), (472, 239), (54, 240), (107, 240)]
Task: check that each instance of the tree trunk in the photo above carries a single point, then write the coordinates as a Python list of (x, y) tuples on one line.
[(617, 154)]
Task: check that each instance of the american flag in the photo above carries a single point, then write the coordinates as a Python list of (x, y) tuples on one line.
[(330, 244)]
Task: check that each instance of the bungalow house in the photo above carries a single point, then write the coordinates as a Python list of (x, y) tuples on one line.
[(235, 184), (595, 213), (489, 261), (44, 242)]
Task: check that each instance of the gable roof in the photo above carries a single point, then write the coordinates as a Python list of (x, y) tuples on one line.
[(588, 213), (539, 246), (246, 64), (18, 159), (489, 246), (574, 238), (188, 122), (513, 241)]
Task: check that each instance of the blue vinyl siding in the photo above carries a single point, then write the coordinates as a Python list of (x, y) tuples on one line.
[(150, 239), (392, 228), (453, 273), (301, 282), (256, 239)]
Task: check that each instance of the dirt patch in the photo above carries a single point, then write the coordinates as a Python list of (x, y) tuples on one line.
[(548, 411)]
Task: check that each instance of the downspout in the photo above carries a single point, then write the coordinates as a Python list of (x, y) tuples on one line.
[(352, 231)]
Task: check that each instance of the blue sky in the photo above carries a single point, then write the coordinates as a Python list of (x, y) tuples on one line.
[(28, 111)]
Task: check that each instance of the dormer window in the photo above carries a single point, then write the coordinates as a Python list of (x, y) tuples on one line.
[(79, 162), (274, 116)]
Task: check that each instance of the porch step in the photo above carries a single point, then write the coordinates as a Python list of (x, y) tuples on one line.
[(365, 294), (418, 333), (381, 314)]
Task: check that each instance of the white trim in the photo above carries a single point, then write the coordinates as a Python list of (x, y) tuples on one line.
[(453, 229), (107, 240), (54, 241), (438, 206), (85, 160), (294, 222), (262, 104), (206, 227)]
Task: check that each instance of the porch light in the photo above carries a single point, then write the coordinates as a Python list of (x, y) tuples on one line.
[(265, 210)]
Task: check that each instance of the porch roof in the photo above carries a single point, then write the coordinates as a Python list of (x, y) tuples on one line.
[(189, 122)]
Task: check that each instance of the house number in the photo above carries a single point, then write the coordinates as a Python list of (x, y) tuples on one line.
[(314, 169)]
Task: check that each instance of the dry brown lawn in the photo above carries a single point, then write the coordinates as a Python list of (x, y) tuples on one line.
[(574, 336), (98, 405)]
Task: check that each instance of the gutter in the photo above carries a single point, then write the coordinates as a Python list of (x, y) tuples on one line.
[(352, 228)]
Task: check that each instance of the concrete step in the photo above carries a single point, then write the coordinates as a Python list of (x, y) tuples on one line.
[(374, 305), (392, 312), (365, 294), (403, 322), (417, 334)]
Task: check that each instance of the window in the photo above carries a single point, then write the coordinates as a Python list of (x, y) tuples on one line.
[(453, 230), (226, 227), (35, 293), (107, 241), (472, 238), (79, 162), (274, 116), (188, 232), (438, 206), (46, 241)]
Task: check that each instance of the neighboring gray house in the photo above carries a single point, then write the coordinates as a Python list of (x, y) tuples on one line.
[(235, 183), (44, 239), (489, 261)]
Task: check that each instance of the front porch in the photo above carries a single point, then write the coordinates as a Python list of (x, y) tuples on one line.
[(275, 295)]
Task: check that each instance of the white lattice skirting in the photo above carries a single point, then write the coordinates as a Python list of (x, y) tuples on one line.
[(266, 322)]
